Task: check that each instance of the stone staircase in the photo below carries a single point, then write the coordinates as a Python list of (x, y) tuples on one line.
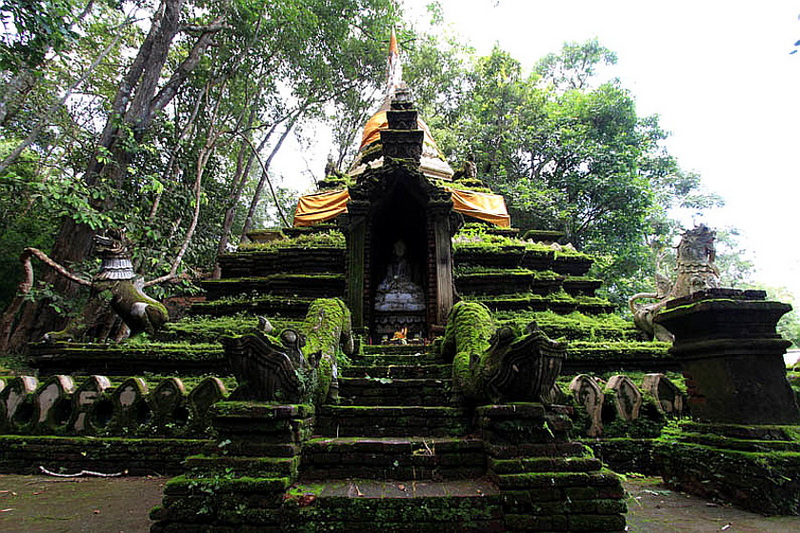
[(395, 455)]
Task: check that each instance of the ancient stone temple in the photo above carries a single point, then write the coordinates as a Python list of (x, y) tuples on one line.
[(398, 219), (402, 359)]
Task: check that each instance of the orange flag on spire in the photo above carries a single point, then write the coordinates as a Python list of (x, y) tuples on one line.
[(393, 44), (394, 67)]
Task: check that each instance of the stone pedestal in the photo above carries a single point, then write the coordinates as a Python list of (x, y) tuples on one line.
[(547, 483), (743, 446), (242, 487), (732, 356)]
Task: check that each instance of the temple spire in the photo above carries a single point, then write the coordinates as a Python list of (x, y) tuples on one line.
[(394, 67)]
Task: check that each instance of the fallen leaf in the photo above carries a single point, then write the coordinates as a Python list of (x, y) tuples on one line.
[(401, 486)]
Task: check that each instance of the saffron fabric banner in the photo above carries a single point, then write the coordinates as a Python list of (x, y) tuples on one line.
[(315, 208)]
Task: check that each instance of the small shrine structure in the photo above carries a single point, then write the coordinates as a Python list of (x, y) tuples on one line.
[(398, 219)]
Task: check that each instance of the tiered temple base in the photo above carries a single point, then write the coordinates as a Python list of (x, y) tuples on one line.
[(375, 466)]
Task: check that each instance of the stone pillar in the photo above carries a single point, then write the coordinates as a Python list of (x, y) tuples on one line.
[(743, 445), (439, 217), (732, 356), (357, 263)]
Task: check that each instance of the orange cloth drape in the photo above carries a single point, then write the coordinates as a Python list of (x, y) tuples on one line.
[(483, 206), (315, 208), (378, 122)]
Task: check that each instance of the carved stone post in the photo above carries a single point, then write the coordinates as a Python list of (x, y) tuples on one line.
[(439, 217), (357, 264)]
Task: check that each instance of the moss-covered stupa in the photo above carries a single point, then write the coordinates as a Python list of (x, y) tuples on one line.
[(393, 369)]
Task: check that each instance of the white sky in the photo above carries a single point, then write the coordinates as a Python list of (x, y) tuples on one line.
[(717, 72)]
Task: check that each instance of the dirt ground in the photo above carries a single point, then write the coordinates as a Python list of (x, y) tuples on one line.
[(39, 504)]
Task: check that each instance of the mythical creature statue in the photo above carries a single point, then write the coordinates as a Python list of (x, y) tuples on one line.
[(696, 271), (268, 371), (141, 313), (521, 369), (499, 365), (301, 366)]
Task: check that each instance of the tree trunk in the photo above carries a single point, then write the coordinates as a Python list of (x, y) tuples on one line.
[(136, 103)]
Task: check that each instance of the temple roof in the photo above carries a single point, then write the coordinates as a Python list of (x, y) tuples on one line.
[(432, 163)]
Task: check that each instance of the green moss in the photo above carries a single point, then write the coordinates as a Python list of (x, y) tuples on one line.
[(299, 277), (327, 323), (218, 485), (479, 238), (469, 327), (210, 329), (618, 350), (466, 272), (324, 239), (141, 348), (572, 326)]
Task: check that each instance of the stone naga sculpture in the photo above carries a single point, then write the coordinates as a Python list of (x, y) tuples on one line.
[(521, 369), (696, 271), (499, 365), (299, 366)]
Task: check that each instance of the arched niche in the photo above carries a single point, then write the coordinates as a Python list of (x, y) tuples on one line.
[(392, 203)]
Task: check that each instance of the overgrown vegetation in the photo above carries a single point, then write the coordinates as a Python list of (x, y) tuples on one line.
[(325, 239)]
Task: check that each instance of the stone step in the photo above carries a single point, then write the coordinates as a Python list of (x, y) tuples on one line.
[(525, 465), (369, 506), (322, 285), (266, 262), (395, 458), (396, 359), (269, 306), (498, 282), (391, 421), (253, 467), (418, 371), (394, 349), (390, 391)]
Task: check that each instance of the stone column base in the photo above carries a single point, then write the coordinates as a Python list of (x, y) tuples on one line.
[(548, 483)]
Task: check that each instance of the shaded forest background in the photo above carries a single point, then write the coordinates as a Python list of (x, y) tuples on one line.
[(164, 117)]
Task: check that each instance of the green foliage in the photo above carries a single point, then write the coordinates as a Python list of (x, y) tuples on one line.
[(39, 26)]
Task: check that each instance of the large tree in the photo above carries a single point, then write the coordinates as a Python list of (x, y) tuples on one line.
[(165, 127)]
